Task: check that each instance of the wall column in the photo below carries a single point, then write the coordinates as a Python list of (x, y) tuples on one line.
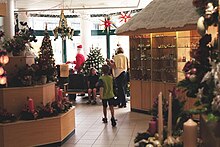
[(9, 19)]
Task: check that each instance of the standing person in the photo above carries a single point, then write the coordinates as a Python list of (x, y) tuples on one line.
[(120, 67), (92, 82), (106, 81)]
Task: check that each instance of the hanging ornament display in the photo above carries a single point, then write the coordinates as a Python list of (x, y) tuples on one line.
[(63, 30), (125, 16)]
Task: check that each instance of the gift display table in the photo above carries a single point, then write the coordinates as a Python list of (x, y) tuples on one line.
[(52, 130), (13, 99)]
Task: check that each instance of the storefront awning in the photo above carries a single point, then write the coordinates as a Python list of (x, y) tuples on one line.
[(162, 16)]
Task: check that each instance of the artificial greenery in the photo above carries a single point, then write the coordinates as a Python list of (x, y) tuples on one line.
[(21, 41), (46, 111), (5, 116), (201, 72)]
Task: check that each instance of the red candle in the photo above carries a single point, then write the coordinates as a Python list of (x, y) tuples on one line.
[(152, 127), (31, 105), (60, 94), (56, 93)]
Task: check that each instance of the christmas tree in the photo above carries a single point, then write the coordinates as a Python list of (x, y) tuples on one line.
[(202, 72), (46, 61), (94, 59)]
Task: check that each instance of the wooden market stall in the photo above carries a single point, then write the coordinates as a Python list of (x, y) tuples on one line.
[(162, 36)]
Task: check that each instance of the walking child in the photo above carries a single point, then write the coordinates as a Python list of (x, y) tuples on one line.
[(106, 81)]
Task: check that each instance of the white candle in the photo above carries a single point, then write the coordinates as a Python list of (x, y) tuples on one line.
[(170, 115), (190, 134), (160, 117)]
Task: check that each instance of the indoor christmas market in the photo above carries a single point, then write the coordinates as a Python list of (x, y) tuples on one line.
[(109, 73)]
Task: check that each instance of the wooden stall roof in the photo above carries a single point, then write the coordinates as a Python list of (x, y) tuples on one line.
[(162, 16)]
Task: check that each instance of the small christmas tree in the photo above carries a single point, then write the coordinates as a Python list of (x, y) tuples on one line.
[(95, 59), (46, 61)]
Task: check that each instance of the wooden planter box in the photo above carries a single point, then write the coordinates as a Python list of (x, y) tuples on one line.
[(210, 132), (13, 99), (38, 132)]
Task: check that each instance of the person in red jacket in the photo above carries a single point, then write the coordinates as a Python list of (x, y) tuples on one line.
[(80, 59)]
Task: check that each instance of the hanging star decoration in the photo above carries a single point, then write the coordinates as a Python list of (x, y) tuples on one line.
[(125, 16), (108, 23)]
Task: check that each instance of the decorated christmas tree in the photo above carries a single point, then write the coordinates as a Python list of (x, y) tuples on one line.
[(202, 72), (46, 61), (94, 59)]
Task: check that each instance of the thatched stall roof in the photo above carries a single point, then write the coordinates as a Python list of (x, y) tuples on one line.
[(162, 16)]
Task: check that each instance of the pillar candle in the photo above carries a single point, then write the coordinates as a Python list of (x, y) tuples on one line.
[(31, 104), (190, 134), (160, 117), (152, 127), (60, 94), (170, 115), (56, 92)]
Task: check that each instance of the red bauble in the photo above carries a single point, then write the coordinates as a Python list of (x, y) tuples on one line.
[(193, 70), (187, 76)]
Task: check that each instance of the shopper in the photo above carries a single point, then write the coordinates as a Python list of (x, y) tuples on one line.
[(106, 81), (92, 82), (120, 67)]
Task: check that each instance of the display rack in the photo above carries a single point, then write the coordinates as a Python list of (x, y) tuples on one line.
[(53, 130), (157, 60)]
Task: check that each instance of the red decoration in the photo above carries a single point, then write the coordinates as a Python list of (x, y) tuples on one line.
[(60, 95), (107, 23), (79, 46), (125, 16), (31, 105)]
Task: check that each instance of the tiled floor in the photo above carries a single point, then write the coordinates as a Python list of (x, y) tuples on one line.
[(91, 132)]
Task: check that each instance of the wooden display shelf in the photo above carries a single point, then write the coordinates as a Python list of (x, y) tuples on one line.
[(38, 132), (13, 99)]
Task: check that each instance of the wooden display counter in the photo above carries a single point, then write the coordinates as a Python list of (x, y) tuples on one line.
[(13, 99), (38, 132)]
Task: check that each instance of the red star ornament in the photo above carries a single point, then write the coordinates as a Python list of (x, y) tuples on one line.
[(107, 23), (125, 16)]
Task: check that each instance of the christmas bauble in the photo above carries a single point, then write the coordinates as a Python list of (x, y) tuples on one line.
[(192, 78), (193, 70), (149, 145), (187, 76), (201, 28)]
